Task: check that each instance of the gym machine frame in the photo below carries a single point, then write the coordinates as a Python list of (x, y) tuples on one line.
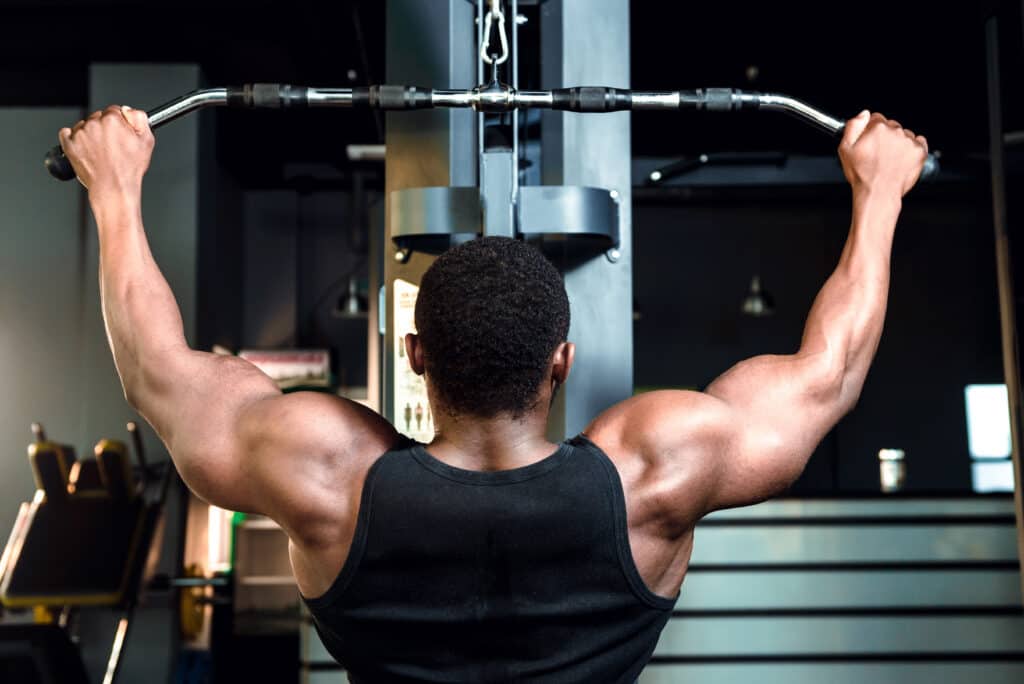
[(58, 475)]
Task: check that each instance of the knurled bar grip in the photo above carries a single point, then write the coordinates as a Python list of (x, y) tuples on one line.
[(591, 99)]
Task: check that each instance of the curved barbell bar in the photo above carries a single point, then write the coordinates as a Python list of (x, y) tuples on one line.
[(492, 97)]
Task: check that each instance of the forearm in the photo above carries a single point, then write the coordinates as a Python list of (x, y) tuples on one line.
[(845, 323), (142, 319)]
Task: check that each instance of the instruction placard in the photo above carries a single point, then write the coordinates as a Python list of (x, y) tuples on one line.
[(411, 408)]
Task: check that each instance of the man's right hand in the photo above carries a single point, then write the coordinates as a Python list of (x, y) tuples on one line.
[(110, 150), (880, 155)]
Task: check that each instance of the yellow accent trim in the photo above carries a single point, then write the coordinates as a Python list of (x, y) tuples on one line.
[(192, 612), (71, 599), (110, 446), (36, 448)]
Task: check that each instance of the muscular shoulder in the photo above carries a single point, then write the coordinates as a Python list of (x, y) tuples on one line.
[(658, 425), (319, 423), (665, 445), (311, 451)]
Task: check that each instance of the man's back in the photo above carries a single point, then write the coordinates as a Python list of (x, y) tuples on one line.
[(491, 576)]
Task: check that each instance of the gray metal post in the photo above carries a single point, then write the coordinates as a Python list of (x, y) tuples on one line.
[(431, 43), (1004, 271), (587, 42), (497, 180)]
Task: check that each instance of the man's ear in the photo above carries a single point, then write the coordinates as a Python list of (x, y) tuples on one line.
[(414, 352), (561, 363)]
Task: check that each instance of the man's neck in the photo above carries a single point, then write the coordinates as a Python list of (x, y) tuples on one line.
[(495, 443)]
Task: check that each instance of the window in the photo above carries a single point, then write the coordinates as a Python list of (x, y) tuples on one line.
[(988, 437)]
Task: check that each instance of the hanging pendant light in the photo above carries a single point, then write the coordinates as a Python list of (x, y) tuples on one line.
[(758, 303), (352, 304)]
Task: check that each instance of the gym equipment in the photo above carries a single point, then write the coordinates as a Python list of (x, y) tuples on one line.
[(191, 604), (89, 537), (493, 97)]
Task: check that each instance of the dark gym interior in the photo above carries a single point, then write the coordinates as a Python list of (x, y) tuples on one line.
[(272, 229)]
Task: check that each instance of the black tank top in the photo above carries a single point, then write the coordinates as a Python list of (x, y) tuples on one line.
[(517, 575)]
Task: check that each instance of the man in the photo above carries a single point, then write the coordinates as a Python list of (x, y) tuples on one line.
[(490, 554)]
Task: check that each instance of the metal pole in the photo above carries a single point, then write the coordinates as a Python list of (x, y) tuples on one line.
[(114, 662), (481, 76), (591, 151), (428, 41), (1004, 271), (513, 26)]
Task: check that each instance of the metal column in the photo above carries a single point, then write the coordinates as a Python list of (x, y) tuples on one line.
[(429, 42), (587, 41)]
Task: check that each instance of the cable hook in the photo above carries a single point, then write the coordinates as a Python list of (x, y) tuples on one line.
[(495, 13)]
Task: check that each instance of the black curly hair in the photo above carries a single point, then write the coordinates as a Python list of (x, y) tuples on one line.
[(490, 313)]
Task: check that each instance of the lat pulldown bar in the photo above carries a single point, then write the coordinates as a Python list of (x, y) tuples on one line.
[(493, 97)]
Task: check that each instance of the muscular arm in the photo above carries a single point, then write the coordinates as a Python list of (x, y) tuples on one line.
[(236, 440), (749, 435), (778, 408)]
